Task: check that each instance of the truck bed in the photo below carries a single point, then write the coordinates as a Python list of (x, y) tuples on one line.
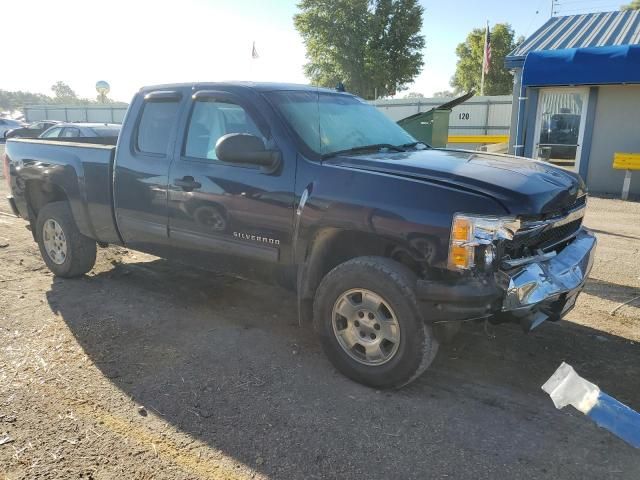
[(73, 166)]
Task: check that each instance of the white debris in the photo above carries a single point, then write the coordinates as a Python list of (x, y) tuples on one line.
[(566, 387)]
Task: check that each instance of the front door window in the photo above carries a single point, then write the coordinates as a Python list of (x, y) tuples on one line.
[(560, 126)]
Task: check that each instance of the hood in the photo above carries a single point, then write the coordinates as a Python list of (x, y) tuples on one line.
[(523, 186)]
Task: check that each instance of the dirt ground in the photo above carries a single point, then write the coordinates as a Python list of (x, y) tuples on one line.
[(147, 370)]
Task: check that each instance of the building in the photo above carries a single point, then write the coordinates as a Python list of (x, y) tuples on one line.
[(576, 97), (477, 121)]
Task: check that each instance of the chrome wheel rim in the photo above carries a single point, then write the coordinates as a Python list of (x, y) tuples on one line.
[(55, 241), (366, 327)]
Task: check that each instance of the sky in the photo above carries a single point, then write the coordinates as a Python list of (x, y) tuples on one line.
[(131, 43)]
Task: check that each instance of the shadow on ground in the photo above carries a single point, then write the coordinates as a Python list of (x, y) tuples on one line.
[(611, 291), (224, 360)]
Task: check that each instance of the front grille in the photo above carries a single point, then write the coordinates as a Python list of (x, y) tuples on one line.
[(557, 234), (554, 237)]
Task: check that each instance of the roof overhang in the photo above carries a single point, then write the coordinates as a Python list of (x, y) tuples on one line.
[(582, 66), (514, 62)]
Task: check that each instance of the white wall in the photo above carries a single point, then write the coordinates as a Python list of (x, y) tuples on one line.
[(476, 116)]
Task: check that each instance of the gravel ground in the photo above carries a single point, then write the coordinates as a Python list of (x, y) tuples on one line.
[(147, 370)]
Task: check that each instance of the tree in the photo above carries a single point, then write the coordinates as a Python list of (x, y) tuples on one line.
[(103, 98), (634, 5), (63, 93), (444, 93), (499, 80), (373, 46), (12, 101), (414, 95)]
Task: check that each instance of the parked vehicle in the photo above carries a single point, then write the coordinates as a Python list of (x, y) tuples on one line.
[(32, 130), (75, 131), (388, 243), (7, 124)]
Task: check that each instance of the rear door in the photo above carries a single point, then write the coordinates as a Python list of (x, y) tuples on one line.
[(228, 217), (141, 171)]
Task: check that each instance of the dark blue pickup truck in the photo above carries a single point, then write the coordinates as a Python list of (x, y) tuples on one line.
[(389, 244)]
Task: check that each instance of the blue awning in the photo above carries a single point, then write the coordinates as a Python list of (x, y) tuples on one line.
[(583, 66)]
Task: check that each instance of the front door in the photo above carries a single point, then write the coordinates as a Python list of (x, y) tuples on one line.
[(222, 216), (560, 126)]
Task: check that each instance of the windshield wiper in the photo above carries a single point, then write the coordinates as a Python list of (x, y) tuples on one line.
[(366, 148), (416, 144)]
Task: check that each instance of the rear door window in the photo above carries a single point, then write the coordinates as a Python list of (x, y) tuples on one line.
[(157, 122), (70, 132), (53, 133)]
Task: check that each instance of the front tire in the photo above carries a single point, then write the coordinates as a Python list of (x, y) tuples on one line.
[(370, 325), (64, 249)]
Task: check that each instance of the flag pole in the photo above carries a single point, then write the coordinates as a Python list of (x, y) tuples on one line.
[(484, 59)]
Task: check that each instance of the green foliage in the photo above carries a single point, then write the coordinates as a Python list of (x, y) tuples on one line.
[(372, 46), (63, 93), (414, 95), (444, 93), (499, 80), (634, 5), (10, 101)]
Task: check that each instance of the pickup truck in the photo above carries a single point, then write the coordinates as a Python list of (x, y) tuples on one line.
[(389, 243)]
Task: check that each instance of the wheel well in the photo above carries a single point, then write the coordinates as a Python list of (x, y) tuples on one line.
[(332, 247), (41, 193)]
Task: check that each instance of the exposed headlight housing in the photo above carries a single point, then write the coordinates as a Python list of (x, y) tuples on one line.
[(473, 239)]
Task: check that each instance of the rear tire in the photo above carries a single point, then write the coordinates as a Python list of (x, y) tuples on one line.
[(370, 325), (66, 252)]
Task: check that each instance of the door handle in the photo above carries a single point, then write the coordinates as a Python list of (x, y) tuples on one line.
[(187, 183)]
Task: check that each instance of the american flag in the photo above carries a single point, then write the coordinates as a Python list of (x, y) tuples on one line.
[(486, 61)]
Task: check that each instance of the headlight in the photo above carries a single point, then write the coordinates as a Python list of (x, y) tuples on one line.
[(473, 239)]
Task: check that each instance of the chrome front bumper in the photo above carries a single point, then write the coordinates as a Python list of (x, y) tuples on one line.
[(559, 278)]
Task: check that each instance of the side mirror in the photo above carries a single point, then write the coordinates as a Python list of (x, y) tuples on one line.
[(247, 149)]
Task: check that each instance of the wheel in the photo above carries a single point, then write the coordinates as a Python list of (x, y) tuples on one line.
[(64, 249), (370, 326)]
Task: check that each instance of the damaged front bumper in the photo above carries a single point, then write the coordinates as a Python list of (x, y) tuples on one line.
[(530, 293), (550, 287)]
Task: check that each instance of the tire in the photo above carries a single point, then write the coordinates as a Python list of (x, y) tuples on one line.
[(79, 251), (406, 345)]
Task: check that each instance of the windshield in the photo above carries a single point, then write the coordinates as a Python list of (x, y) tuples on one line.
[(332, 122)]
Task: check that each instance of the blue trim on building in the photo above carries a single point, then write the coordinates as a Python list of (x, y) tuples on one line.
[(585, 151), (530, 121)]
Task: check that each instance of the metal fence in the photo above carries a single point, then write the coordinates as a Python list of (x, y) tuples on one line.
[(476, 116), (76, 113)]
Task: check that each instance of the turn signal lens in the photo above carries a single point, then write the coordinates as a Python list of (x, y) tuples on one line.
[(461, 255), (461, 229)]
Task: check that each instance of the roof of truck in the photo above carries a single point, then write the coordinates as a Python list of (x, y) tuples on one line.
[(260, 86)]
